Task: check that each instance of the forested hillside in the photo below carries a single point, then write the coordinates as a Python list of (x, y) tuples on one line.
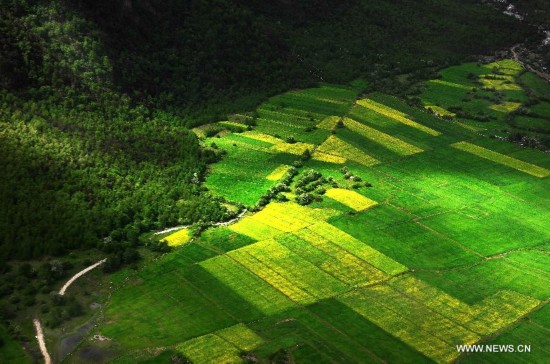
[(97, 96)]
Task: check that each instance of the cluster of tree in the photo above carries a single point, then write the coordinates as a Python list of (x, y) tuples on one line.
[(276, 192)]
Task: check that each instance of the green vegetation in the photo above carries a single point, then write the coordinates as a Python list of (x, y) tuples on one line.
[(121, 118), (511, 102), (375, 266)]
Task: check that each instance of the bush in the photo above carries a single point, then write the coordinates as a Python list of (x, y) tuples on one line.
[(304, 199)]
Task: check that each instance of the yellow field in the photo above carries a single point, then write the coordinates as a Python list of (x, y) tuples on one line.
[(278, 173), (240, 336), (254, 229), (329, 158), (502, 83), (450, 84), (262, 137), (396, 145), (279, 221), (291, 274), (339, 148), (483, 318), (432, 321), (357, 248), (329, 122), (506, 106), (259, 268), (344, 265), (506, 66), (502, 159), (426, 331), (295, 148), (210, 349), (247, 285), (290, 216), (395, 115), (350, 198), (179, 237)]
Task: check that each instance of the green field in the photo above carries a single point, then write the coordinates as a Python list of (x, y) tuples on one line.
[(509, 101), (422, 235)]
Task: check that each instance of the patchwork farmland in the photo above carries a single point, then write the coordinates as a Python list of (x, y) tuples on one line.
[(387, 234)]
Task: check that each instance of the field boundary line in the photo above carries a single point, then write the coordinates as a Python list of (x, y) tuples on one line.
[(275, 273), (413, 325), (506, 328), (334, 328), (465, 248), (387, 275)]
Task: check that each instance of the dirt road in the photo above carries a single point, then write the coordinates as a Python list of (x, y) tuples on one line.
[(41, 342), (78, 275)]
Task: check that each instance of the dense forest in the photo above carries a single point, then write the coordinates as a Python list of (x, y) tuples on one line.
[(97, 97)]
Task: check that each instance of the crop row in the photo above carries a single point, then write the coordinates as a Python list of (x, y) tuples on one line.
[(502, 159), (358, 248), (394, 144), (339, 148), (291, 274), (340, 263), (395, 115)]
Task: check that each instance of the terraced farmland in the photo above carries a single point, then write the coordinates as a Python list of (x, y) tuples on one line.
[(417, 235)]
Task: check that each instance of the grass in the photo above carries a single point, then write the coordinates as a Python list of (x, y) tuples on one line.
[(241, 336), (502, 159), (210, 349), (11, 351)]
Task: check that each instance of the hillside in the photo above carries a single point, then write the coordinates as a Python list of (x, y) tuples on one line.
[(257, 175)]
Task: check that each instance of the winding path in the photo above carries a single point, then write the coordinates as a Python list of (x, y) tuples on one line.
[(527, 66), (78, 275), (41, 341)]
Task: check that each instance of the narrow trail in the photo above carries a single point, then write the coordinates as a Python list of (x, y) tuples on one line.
[(223, 223), (41, 341), (78, 275), (169, 230), (226, 223)]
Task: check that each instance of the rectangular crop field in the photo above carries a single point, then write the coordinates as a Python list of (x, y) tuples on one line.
[(291, 274), (502, 159), (343, 264), (335, 146), (247, 285), (396, 115), (350, 198), (387, 141), (357, 248)]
